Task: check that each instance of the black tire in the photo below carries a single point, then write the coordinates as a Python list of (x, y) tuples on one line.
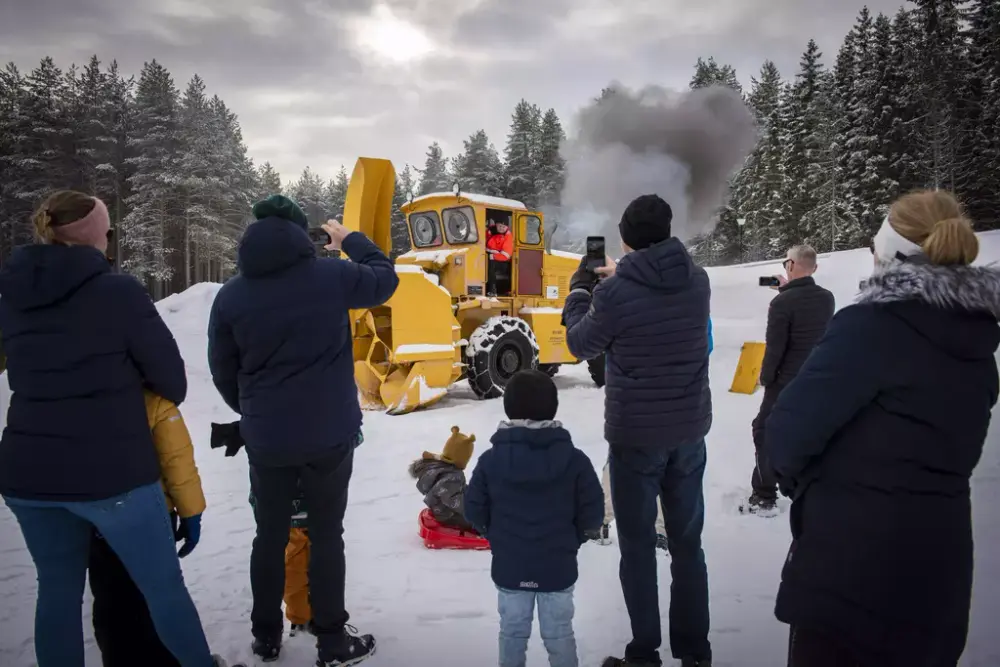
[(597, 367), (549, 369), (499, 348)]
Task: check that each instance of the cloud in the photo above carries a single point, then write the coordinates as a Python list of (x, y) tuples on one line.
[(319, 83)]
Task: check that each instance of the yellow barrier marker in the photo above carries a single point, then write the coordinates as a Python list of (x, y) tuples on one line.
[(748, 369)]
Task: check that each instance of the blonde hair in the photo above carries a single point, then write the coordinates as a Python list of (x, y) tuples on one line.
[(60, 208), (934, 220)]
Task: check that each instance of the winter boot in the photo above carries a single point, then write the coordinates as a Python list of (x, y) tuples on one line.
[(352, 650), (759, 505), (298, 628), (661, 543), (621, 662), (267, 650), (694, 662), (604, 537)]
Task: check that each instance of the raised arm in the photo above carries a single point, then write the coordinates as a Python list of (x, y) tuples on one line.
[(369, 279)]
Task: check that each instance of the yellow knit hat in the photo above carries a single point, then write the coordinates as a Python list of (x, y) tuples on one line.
[(457, 451)]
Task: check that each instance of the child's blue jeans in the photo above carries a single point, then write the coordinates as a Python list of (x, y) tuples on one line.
[(555, 624), (137, 527)]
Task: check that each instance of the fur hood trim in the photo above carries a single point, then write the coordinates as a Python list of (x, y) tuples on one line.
[(970, 288)]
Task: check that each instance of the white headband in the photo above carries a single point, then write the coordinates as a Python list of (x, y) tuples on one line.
[(890, 245)]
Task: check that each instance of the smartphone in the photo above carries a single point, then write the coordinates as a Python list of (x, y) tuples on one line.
[(596, 257), (319, 237), (769, 281)]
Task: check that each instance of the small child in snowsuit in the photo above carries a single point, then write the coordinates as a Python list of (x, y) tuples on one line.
[(123, 627), (441, 479), (537, 499)]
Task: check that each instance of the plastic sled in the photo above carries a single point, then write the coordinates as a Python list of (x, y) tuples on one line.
[(438, 536)]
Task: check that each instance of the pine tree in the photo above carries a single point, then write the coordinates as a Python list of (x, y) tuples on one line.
[(904, 84), (15, 125), (982, 121), (309, 193), (269, 182), (478, 168), (551, 165), (710, 73), (156, 161), (757, 188), (434, 177), (519, 157), (115, 167), (336, 195), (200, 140), (405, 188)]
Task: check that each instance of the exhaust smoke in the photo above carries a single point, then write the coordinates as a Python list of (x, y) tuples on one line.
[(681, 146)]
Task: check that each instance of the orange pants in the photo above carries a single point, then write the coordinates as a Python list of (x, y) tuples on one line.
[(297, 608)]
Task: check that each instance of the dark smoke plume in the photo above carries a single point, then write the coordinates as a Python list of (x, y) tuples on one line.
[(681, 146)]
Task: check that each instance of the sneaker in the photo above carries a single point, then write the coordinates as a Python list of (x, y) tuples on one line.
[(355, 649), (694, 662), (265, 649), (301, 628), (217, 661), (604, 538), (661, 542)]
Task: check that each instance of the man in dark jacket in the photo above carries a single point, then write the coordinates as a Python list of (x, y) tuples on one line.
[(651, 317), (537, 499), (796, 321), (280, 352)]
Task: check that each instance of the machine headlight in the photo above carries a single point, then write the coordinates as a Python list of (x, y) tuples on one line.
[(424, 230), (458, 226)]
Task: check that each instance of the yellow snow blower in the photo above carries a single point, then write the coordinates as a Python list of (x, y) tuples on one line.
[(443, 324)]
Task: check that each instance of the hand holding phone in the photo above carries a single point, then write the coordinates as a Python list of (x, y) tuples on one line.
[(319, 237), (770, 281)]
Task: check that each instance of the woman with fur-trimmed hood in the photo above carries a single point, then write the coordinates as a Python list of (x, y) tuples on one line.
[(441, 478), (876, 440)]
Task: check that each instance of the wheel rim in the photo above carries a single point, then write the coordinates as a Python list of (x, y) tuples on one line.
[(508, 361)]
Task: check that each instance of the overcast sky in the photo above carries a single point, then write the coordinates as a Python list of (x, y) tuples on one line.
[(320, 82)]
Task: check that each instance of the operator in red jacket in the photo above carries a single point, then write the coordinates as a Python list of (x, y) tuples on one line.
[(500, 250)]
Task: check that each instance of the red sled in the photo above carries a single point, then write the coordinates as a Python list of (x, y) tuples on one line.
[(438, 536)]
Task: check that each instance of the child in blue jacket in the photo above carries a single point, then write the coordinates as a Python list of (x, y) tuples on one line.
[(536, 498)]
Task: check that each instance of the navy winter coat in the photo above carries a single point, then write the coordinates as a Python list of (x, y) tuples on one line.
[(81, 343), (279, 340), (535, 497), (876, 440), (652, 319)]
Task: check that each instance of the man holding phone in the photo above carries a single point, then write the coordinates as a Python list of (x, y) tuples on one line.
[(796, 320), (650, 315), (280, 353)]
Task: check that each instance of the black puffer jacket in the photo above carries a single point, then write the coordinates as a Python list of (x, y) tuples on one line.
[(652, 319), (443, 486), (796, 320), (876, 441)]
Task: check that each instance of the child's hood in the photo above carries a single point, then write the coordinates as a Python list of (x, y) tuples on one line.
[(428, 471), (532, 452)]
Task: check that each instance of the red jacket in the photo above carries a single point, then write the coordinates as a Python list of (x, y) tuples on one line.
[(503, 244)]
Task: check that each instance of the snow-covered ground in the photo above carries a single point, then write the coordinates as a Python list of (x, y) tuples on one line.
[(439, 608)]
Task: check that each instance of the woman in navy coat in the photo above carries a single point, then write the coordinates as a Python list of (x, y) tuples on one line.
[(876, 440)]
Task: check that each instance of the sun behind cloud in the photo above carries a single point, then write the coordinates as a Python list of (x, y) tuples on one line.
[(391, 38)]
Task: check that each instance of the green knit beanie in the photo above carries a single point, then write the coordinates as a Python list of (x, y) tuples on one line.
[(279, 206)]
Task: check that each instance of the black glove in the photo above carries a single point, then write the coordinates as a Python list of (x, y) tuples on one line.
[(228, 436), (584, 278)]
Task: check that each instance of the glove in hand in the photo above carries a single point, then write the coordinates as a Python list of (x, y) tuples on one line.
[(190, 533), (228, 436), (584, 278)]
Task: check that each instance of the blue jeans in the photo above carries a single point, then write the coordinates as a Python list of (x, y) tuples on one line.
[(555, 623), (137, 527), (676, 475)]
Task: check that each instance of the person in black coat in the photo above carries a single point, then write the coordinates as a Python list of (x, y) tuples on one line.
[(876, 440), (537, 499), (280, 353), (796, 320), (650, 315)]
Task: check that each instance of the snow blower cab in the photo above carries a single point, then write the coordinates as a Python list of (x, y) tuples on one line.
[(479, 295)]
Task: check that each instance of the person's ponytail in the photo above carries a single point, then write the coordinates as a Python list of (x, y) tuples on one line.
[(951, 242)]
